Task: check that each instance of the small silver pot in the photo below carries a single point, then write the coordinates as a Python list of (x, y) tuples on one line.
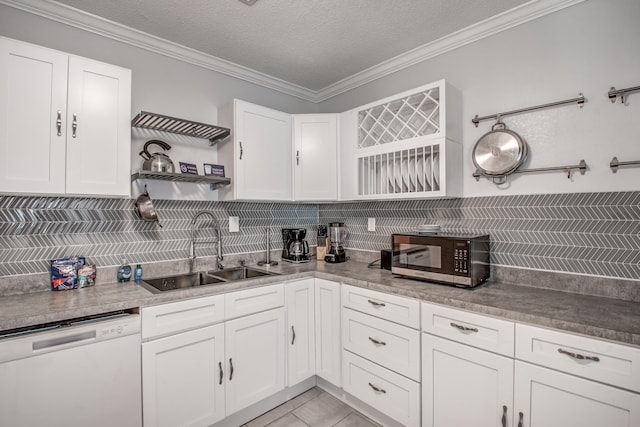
[(499, 152), (144, 207)]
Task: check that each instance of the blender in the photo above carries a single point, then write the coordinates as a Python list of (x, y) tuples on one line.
[(337, 235)]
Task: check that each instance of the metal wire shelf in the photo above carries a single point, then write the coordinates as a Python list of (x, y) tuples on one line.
[(213, 181), (146, 120)]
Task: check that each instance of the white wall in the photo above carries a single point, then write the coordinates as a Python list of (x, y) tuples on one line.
[(161, 85), (585, 48)]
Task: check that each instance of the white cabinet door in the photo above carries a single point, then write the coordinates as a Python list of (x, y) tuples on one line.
[(98, 128), (328, 337), (64, 123), (33, 89), (546, 398), (301, 329), (255, 358), (182, 379), (258, 157), (464, 386), (315, 163)]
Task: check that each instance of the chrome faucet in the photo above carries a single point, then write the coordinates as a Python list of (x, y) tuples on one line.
[(219, 256)]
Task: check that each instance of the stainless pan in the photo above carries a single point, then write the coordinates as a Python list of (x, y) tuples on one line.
[(144, 207), (499, 152)]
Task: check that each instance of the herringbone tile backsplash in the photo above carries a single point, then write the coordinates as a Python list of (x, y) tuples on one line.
[(588, 233)]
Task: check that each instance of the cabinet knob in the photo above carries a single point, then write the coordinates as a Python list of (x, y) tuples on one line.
[(520, 423)]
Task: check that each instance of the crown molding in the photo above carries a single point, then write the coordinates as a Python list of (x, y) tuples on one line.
[(112, 30), (504, 21)]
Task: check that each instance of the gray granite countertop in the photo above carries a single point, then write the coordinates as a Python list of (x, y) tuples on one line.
[(607, 318)]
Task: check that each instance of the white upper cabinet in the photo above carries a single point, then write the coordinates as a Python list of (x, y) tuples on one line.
[(404, 146), (64, 123), (315, 162), (258, 156)]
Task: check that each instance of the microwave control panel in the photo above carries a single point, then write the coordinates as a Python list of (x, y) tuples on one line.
[(461, 257)]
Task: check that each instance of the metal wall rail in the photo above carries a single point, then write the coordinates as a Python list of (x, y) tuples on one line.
[(615, 93), (581, 167), (615, 164), (579, 100)]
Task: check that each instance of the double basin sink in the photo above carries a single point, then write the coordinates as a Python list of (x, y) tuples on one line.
[(205, 278)]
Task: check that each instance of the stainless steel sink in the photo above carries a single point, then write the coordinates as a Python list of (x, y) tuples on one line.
[(239, 273), (184, 281)]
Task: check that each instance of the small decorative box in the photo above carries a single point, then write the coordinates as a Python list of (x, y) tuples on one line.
[(188, 168), (213, 170)]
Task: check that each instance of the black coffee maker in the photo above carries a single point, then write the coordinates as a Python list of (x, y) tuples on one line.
[(294, 246)]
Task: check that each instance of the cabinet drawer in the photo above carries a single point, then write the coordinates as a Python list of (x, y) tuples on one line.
[(391, 345), (603, 361), (179, 316), (397, 309), (472, 329), (254, 300), (396, 396)]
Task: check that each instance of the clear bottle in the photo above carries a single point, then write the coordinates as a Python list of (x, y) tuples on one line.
[(137, 275), (124, 272)]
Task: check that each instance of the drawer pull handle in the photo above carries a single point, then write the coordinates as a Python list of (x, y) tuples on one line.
[(297, 157), (59, 123), (504, 415), (376, 304), (230, 369), (379, 390), (463, 328), (241, 150), (578, 355), (221, 373), (520, 423), (375, 341), (293, 332), (74, 125)]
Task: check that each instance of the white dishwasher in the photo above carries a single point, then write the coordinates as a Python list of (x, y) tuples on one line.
[(84, 372)]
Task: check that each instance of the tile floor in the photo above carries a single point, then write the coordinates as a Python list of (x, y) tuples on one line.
[(313, 408)]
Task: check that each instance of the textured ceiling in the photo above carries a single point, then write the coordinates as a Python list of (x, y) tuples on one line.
[(309, 43)]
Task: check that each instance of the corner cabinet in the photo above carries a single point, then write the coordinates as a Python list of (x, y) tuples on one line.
[(258, 157), (404, 146), (64, 123), (315, 162)]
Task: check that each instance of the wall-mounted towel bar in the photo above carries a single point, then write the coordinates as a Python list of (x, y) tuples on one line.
[(615, 93), (579, 100), (615, 164)]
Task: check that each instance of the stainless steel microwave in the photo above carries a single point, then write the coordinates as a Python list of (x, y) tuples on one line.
[(452, 259)]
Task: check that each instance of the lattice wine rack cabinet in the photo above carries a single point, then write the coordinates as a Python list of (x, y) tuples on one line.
[(408, 145)]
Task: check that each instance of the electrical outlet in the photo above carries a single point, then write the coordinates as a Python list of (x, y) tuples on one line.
[(234, 224), (371, 225)]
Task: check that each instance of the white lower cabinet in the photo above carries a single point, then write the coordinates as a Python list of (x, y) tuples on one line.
[(255, 358), (464, 386), (547, 398), (182, 379), (328, 341), (301, 341), (394, 395)]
